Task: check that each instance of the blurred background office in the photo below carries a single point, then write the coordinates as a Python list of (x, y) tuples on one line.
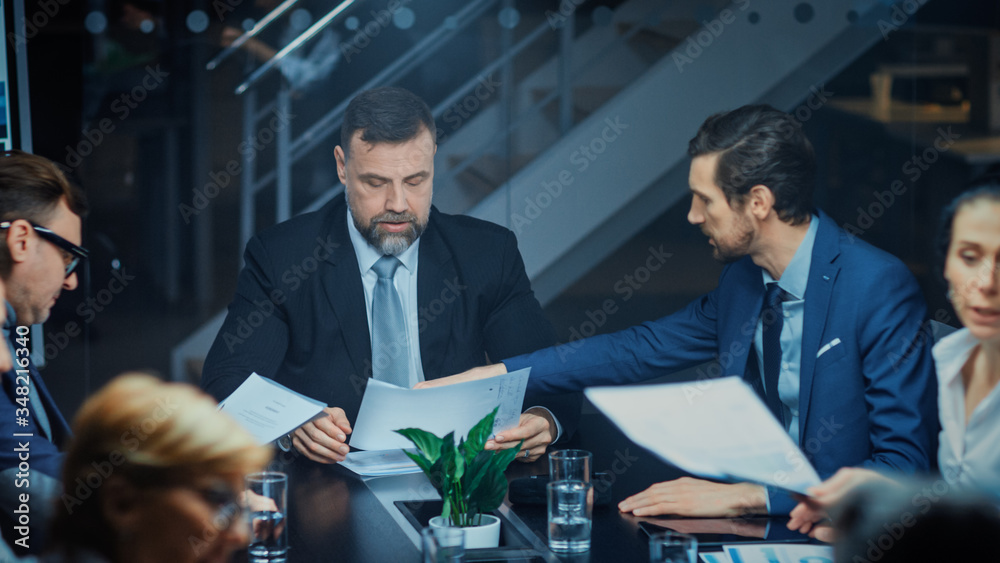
[(566, 121)]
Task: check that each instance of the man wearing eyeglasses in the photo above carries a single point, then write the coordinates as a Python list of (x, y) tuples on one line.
[(40, 228)]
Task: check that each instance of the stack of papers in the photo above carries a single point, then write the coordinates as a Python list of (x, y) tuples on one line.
[(456, 408), (379, 463), (715, 428)]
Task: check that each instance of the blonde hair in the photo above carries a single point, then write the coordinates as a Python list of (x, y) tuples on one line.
[(150, 433)]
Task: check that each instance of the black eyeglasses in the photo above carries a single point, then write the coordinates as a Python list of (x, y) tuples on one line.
[(72, 254)]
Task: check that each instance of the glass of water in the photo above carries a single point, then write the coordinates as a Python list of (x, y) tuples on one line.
[(571, 506), (673, 547), (570, 465), (267, 501), (443, 545)]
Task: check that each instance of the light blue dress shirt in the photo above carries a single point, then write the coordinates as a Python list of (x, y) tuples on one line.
[(405, 282), (793, 280)]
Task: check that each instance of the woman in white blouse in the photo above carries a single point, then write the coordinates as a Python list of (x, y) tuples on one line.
[(968, 362)]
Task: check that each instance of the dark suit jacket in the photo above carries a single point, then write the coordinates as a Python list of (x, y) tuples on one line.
[(299, 314), (43, 456), (870, 400)]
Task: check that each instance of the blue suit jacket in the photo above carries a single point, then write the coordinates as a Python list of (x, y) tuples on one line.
[(870, 400)]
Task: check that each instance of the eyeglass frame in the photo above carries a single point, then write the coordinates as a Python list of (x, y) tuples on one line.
[(76, 253)]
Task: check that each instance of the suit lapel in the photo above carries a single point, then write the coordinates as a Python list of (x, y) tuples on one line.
[(342, 283), (746, 312), (822, 277), (58, 428), (435, 270)]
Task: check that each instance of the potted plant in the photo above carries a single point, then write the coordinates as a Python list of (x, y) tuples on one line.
[(469, 478)]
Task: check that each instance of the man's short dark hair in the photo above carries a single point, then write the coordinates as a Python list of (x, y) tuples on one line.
[(386, 115), (30, 188), (759, 145)]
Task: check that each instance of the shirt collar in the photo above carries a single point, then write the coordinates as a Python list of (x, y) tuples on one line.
[(368, 255), (796, 275), (951, 353)]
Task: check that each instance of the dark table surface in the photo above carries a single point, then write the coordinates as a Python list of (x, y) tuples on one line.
[(334, 515)]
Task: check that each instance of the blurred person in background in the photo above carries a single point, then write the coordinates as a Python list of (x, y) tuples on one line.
[(40, 221), (154, 474)]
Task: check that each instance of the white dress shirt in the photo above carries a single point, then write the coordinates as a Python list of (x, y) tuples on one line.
[(968, 454)]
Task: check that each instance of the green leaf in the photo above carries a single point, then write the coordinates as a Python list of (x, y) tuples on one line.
[(422, 462), (478, 469), (427, 443), (503, 457), (478, 435)]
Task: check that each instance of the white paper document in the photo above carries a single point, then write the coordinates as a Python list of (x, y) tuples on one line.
[(456, 408), (770, 553), (716, 428), (377, 463), (268, 409)]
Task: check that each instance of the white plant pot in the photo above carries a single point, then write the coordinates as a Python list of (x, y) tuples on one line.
[(485, 535)]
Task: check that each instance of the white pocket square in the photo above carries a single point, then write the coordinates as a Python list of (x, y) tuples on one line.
[(827, 347)]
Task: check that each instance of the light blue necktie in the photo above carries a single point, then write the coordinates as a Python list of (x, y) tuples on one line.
[(390, 349)]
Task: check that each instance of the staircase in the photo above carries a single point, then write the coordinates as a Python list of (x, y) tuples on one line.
[(589, 145)]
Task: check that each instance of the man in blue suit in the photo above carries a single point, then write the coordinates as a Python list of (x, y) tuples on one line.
[(827, 329), (40, 213)]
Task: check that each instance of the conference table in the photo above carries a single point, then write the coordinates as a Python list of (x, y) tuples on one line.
[(335, 515)]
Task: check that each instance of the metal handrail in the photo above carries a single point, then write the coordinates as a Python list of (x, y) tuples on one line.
[(415, 55), (293, 46), (254, 31), (479, 151)]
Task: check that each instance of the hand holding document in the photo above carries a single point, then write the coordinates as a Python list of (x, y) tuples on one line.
[(717, 428), (456, 408), (269, 410)]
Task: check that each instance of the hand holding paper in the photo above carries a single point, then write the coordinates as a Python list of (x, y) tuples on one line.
[(386, 408)]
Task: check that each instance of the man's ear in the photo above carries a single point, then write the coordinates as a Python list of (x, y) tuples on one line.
[(120, 504), (341, 158), (19, 240), (761, 201)]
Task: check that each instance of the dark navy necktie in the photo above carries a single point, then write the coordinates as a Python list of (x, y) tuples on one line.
[(772, 319)]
